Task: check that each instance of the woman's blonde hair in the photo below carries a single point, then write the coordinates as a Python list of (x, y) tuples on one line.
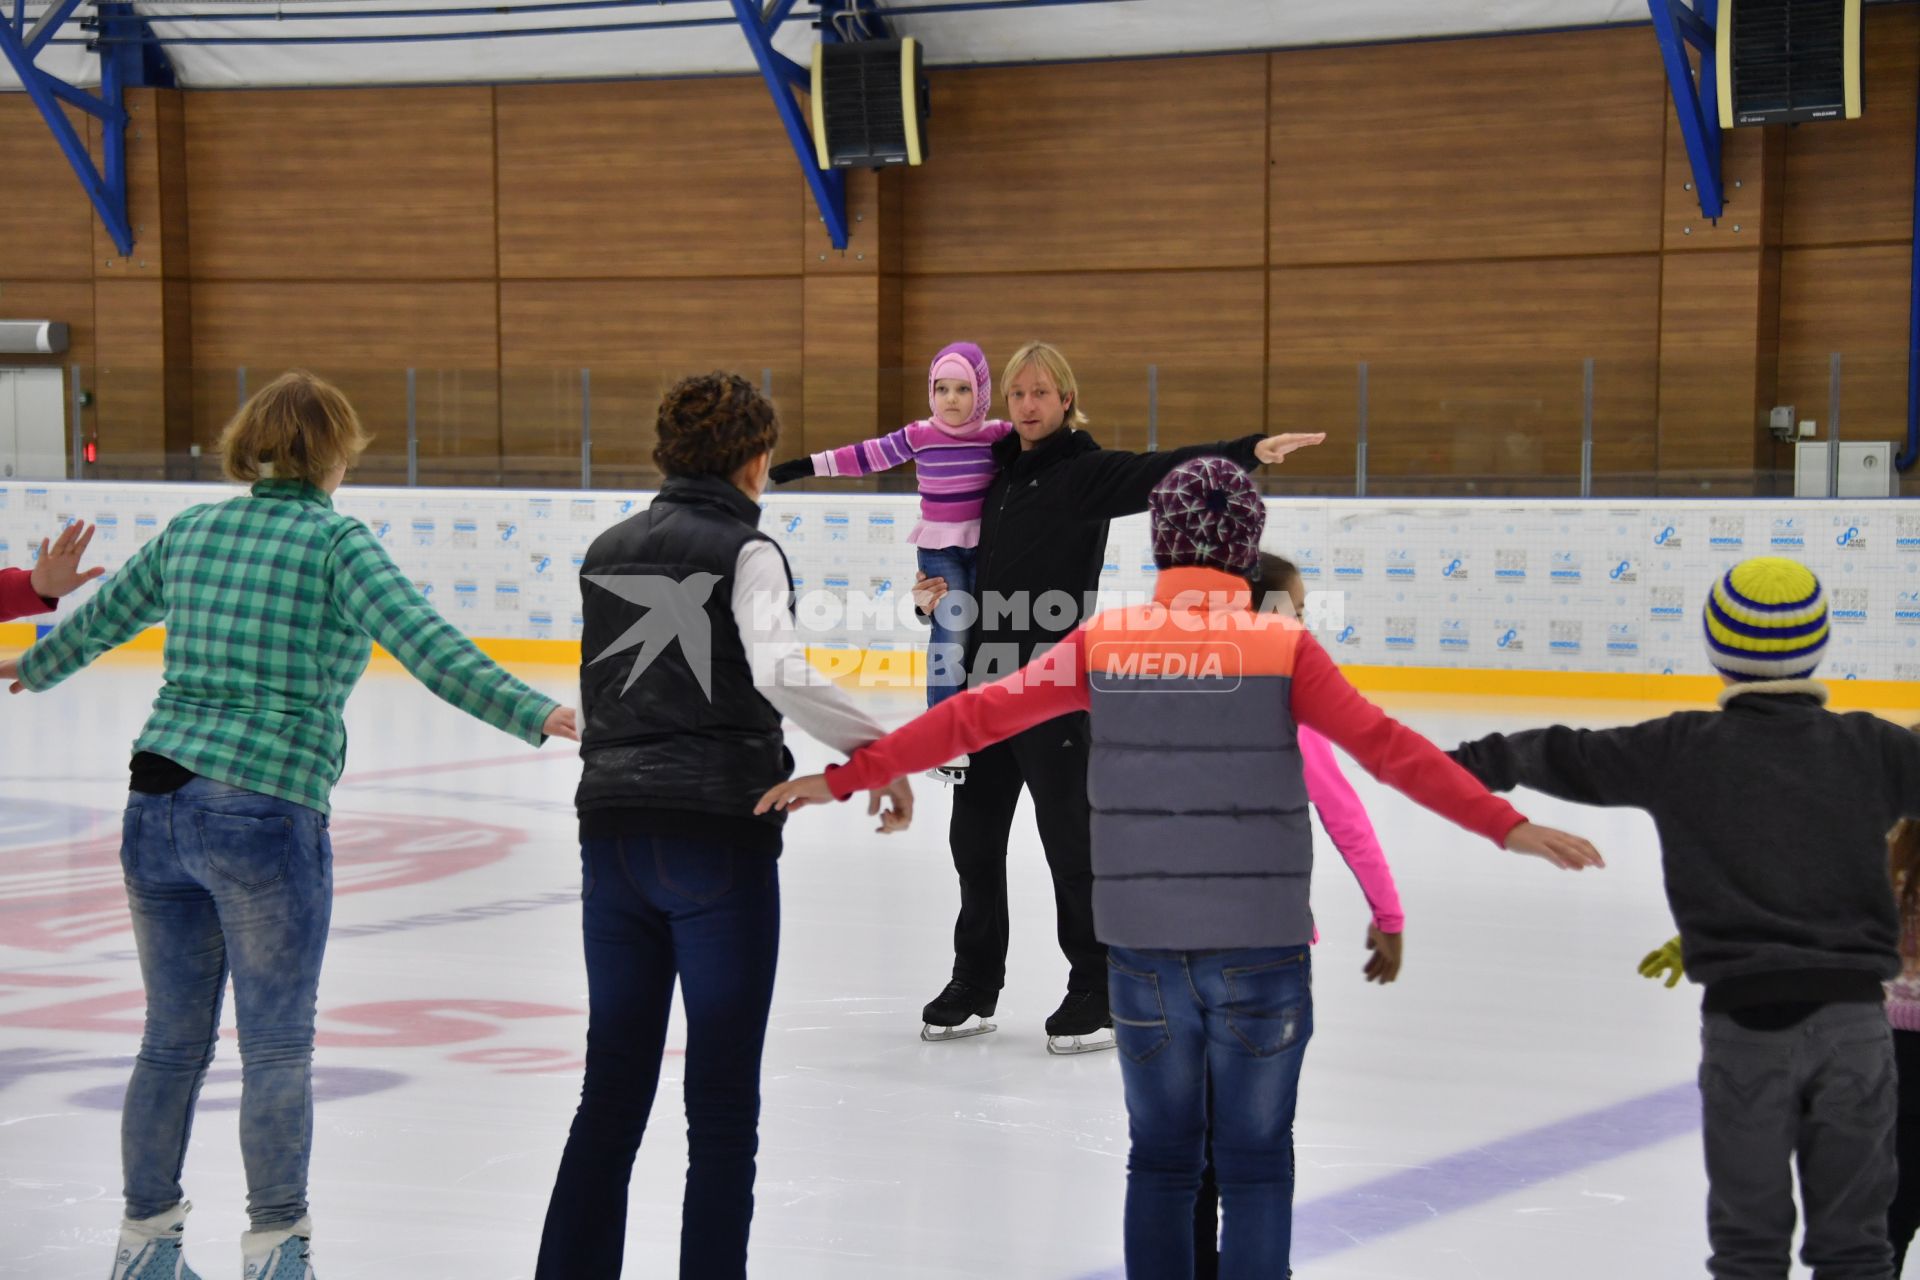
[(1057, 369), (297, 427)]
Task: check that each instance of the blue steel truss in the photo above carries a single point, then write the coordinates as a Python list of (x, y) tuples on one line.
[(1697, 103), (130, 62), (783, 75)]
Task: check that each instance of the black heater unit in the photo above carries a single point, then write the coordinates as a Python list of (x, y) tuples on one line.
[(1785, 61), (870, 104)]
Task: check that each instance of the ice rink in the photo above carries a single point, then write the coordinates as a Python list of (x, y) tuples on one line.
[(1520, 1104)]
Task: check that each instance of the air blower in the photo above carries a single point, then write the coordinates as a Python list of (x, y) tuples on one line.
[(1788, 61), (870, 104)]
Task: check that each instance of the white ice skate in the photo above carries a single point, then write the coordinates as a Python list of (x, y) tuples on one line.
[(1082, 1024), (959, 1012), (953, 772), (285, 1254), (150, 1248)]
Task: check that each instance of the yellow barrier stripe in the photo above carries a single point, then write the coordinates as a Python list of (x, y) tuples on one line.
[(907, 669)]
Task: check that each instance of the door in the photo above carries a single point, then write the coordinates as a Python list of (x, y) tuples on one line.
[(33, 424)]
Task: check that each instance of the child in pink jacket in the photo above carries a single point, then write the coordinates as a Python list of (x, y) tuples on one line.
[(25, 592)]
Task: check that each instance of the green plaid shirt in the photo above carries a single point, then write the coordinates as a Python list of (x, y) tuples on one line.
[(270, 602)]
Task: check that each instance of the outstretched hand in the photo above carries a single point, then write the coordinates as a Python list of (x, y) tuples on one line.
[(57, 572), (898, 815), (10, 672), (1274, 449), (562, 722), (796, 793), (1568, 852)]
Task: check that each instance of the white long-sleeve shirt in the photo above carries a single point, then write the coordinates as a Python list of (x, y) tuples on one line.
[(777, 655)]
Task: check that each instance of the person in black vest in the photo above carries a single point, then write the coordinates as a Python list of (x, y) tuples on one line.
[(1043, 538), (690, 658)]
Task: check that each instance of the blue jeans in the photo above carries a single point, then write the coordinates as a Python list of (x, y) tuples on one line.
[(655, 908), (947, 646), (1230, 1028), (219, 879)]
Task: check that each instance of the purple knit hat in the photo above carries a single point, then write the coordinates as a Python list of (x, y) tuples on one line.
[(1207, 513), (962, 360)]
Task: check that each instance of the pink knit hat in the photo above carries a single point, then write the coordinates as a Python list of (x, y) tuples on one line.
[(967, 361)]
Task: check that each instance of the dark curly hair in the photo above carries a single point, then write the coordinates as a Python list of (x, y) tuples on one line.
[(712, 424)]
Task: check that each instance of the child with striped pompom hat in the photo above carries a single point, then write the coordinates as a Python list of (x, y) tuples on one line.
[(1773, 815)]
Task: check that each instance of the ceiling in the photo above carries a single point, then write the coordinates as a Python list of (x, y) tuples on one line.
[(697, 37)]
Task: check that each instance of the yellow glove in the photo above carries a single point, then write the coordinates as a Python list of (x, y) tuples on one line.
[(1666, 960)]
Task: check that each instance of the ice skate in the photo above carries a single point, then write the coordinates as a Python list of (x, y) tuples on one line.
[(953, 772), (1082, 1024), (285, 1254), (947, 1017), (151, 1249)]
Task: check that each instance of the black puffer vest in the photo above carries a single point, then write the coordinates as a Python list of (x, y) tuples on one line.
[(653, 737)]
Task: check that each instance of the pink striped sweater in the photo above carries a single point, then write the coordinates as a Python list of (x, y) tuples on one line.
[(955, 472)]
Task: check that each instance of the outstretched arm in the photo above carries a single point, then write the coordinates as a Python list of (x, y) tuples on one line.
[(128, 602), (865, 457), (370, 593), (1586, 766), (1113, 482), (1052, 685)]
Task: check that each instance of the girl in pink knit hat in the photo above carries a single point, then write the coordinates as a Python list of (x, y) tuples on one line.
[(952, 453)]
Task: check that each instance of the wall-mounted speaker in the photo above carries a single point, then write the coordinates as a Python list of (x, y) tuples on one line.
[(1787, 61), (870, 104)]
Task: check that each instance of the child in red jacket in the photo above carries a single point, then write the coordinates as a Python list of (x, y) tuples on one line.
[(55, 574)]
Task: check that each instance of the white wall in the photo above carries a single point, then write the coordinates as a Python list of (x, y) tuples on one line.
[(1545, 585)]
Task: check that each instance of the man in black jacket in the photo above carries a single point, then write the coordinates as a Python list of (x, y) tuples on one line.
[(1043, 538)]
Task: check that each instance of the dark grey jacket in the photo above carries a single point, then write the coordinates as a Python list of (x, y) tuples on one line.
[(1773, 816)]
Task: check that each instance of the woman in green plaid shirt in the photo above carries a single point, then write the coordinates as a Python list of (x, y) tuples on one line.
[(272, 602)]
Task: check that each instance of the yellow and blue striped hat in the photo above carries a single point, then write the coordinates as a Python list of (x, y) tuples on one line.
[(1766, 620)]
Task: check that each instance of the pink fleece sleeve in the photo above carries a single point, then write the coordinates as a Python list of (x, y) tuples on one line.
[(864, 457), (1053, 684), (18, 599), (1346, 821)]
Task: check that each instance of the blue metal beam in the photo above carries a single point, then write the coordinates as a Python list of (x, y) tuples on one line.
[(50, 22), (776, 14), (1699, 122), (108, 194), (83, 100), (265, 14), (410, 37), (829, 185), (1694, 29)]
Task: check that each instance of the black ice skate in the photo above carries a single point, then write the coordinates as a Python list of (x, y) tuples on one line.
[(1076, 1026), (947, 1017)]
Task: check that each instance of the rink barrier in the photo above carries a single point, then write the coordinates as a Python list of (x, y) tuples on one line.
[(905, 670)]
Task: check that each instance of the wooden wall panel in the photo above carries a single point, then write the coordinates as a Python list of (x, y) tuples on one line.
[(363, 339), (645, 179), (1475, 369), (1107, 166), (363, 184), (1853, 301), (46, 222), (636, 342), (1532, 146), (1718, 312), (1851, 181), (1201, 328)]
